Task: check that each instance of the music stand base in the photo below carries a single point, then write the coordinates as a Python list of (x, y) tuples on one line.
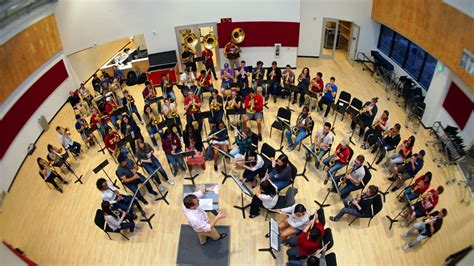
[(322, 205), (370, 166), (148, 220), (303, 174), (78, 179), (269, 250), (392, 221), (242, 208), (163, 198), (226, 175), (192, 177)]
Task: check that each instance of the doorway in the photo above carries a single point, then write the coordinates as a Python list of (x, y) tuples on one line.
[(339, 37), (330, 38)]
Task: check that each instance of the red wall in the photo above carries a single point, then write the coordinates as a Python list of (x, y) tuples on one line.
[(261, 33), (28, 103), (458, 105)]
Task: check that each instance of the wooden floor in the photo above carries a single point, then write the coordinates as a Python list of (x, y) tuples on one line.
[(54, 228)]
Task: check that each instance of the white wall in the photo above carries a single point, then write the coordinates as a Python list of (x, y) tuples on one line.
[(253, 54), (311, 23)]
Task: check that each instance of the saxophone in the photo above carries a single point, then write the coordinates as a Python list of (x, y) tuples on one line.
[(251, 109), (214, 105), (300, 78)]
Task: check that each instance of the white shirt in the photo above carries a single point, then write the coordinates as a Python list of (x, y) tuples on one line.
[(197, 218), (166, 109), (387, 123), (259, 163), (358, 173), (294, 221), (109, 194), (328, 139), (65, 140), (268, 201), (113, 222), (185, 80)]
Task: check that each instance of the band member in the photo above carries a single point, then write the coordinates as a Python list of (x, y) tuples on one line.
[(306, 243), (85, 95), (148, 92), (220, 140), (208, 61), (75, 100), (117, 219), (118, 74), (403, 152), (193, 142), (253, 165), (111, 195), (280, 173), (105, 82), (216, 104), (274, 78), (169, 108), (382, 124), (64, 136), (243, 140), (188, 79), (338, 160), (145, 155), (232, 52), (322, 143), (407, 170), (84, 130), (110, 141), (365, 116), (258, 75), (328, 97), (96, 119), (130, 127), (128, 174), (421, 184), (48, 174), (152, 119), (227, 77), (353, 178), (192, 105), (57, 158), (242, 73), (302, 87), (96, 84), (316, 85), (303, 127), (389, 142), (294, 222), (129, 102), (204, 82), (266, 196), (167, 87), (425, 204), (254, 105), (187, 57), (110, 109), (233, 102), (361, 206), (171, 146), (288, 77), (427, 228)]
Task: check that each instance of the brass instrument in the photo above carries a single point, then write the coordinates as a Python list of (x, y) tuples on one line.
[(364, 109), (214, 106), (232, 104), (154, 120), (190, 40), (238, 35), (251, 109), (317, 149), (194, 107), (333, 161), (272, 74), (203, 79), (258, 74), (300, 78), (209, 41), (174, 112)]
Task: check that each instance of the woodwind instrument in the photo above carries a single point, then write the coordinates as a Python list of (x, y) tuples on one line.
[(343, 180), (214, 134)]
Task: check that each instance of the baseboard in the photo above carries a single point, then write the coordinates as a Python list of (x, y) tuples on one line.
[(308, 56)]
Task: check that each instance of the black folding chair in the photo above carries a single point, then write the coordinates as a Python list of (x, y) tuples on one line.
[(342, 103), (376, 207), (283, 114), (99, 220), (267, 152), (355, 107), (328, 238)]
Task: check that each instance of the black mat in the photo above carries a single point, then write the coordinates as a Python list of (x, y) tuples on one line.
[(190, 251)]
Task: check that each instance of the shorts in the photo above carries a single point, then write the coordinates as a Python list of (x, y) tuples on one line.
[(255, 116)]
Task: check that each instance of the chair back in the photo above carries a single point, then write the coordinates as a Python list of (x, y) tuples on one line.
[(99, 219), (284, 114), (367, 177), (321, 216), (328, 238), (377, 205), (290, 196), (267, 150), (294, 171), (351, 154), (331, 259), (344, 97), (355, 106)]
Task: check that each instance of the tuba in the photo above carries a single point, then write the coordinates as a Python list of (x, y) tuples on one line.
[(209, 41), (190, 40), (238, 35)]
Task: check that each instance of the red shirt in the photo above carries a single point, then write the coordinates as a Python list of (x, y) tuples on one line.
[(229, 48), (307, 246), (111, 141), (430, 201), (207, 53), (319, 83), (407, 151), (421, 189), (258, 102), (343, 154), (196, 100), (109, 108), (168, 143), (205, 79)]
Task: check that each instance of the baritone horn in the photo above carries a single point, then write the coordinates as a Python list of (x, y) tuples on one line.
[(238, 34), (209, 41), (190, 40)]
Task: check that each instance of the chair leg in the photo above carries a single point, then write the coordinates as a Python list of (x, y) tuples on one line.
[(266, 215), (124, 236), (370, 221), (108, 235), (271, 131), (355, 218)]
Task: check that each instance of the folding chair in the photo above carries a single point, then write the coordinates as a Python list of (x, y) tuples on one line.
[(283, 114), (376, 207), (99, 220)]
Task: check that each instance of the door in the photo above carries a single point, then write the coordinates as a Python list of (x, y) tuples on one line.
[(329, 38), (353, 42)]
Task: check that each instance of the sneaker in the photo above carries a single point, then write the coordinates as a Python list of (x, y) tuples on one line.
[(325, 181), (60, 190), (332, 218), (65, 182), (405, 247), (404, 223), (391, 179), (154, 193), (145, 202), (171, 182), (183, 168), (174, 172), (161, 188), (349, 132), (215, 167)]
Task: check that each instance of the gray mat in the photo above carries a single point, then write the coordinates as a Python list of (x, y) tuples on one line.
[(190, 252)]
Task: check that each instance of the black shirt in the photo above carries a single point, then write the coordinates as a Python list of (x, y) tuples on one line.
[(197, 140), (436, 224), (277, 77), (189, 55)]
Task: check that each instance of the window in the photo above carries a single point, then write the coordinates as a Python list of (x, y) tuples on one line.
[(412, 58)]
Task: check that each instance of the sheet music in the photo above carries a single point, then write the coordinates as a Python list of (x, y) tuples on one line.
[(274, 226), (205, 204), (274, 241)]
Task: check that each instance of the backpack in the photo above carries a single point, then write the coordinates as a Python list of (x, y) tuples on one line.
[(131, 78)]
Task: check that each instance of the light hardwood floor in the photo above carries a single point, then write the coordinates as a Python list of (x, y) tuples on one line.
[(54, 228)]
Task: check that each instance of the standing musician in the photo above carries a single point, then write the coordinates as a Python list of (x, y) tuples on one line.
[(204, 82), (64, 136), (288, 78), (227, 77), (328, 98), (187, 57), (84, 130), (338, 160), (130, 127), (254, 105), (208, 61), (220, 140), (192, 106), (303, 127), (232, 52), (302, 87), (171, 145), (167, 87), (129, 102), (365, 116), (233, 102), (188, 79), (216, 104), (96, 119), (48, 174), (353, 178), (253, 165), (381, 125), (242, 74), (152, 119), (274, 77), (110, 141), (322, 143), (169, 108), (148, 92), (258, 75), (85, 95), (96, 84)]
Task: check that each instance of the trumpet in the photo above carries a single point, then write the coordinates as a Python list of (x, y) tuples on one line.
[(251, 109), (300, 78), (232, 104), (215, 105), (193, 106)]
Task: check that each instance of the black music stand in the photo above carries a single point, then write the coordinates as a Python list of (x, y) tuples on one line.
[(156, 99), (205, 115), (234, 111), (144, 219), (95, 128), (380, 145), (122, 142), (100, 167), (335, 109), (225, 154), (286, 126), (243, 190), (357, 121), (175, 122), (394, 219), (274, 239), (303, 174), (162, 196), (78, 178), (292, 89), (312, 95), (183, 155), (322, 205), (120, 110)]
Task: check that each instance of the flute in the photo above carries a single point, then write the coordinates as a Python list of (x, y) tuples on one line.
[(213, 134)]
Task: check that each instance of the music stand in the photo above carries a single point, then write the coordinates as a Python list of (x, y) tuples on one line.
[(291, 88), (336, 108), (95, 128), (312, 95), (120, 110), (233, 111), (122, 142), (380, 145), (357, 120), (225, 154), (183, 155), (303, 174), (394, 219), (144, 219), (162, 196), (211, 195), (243, 189), (274, 239), (156, 99), (205, 115), (323, 205), (100, 167)]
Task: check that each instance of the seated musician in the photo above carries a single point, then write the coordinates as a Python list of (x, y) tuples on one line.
[(117, 219), (302, 87), (128, 174), (111, 195), (308, 242), (167, 87), (152, 119), (322, 143), (407, 170), (118, 74), (253, 165), (148, 93), (129, 102), (233, 102), (254, 105), (288, 78), (172, 145), (220, 140), (188, 80), (425, 204), (258, 75), (227, 77), (316, 85), (110, 109), (232, 52), (204, 83), (105, 81), (360, 206), (294, 222), (192, 105), (274, 77), (83, 128), (130, 127), (389, 142), (110, 142), (96, 83), (169, 108), (366, 116), (48, 174), (421, 184), (242, 72), (266, 196), (56, 158), (427, 228), (353, 178), (328, 97), (208, 62), (280, 172), (64, 136), (403, 152), (382, 124), (338, 160), (96, 119), (187, 57), (85, 95), (216, 105), (243, 141), (193, 142), (145, 155), (304, 125)]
